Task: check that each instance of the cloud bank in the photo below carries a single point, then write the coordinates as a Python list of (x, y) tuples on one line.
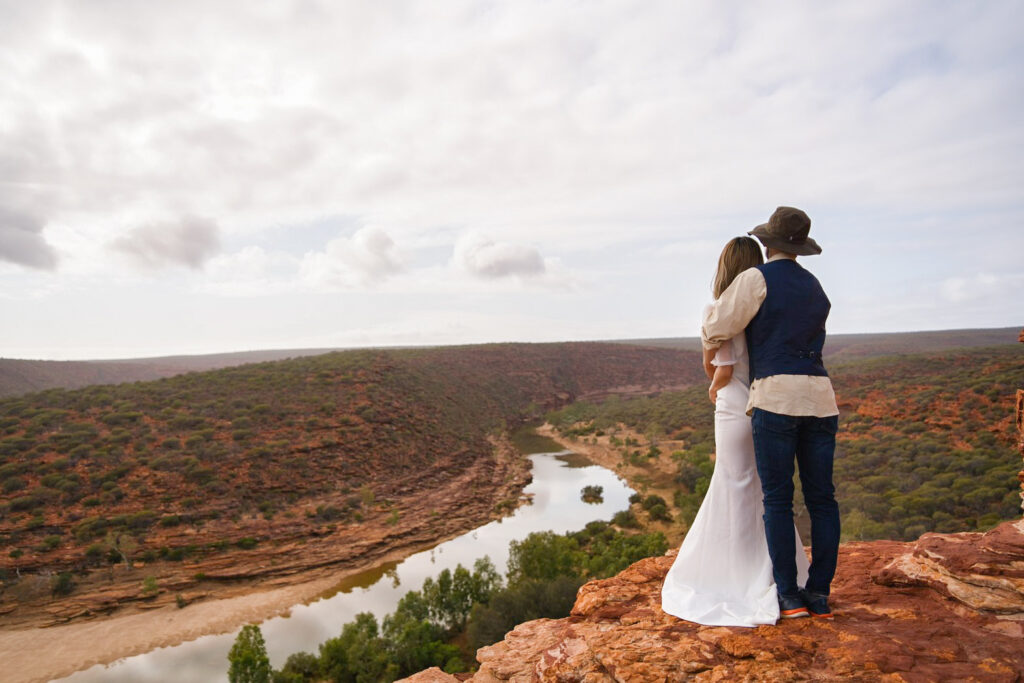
[(609, 149), (189, 242), (22, 242)]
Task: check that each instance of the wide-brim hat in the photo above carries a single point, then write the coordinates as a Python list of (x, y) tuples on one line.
[(786, 231)]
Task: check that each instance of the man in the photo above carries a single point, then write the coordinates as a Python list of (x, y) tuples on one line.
[(783, 308)]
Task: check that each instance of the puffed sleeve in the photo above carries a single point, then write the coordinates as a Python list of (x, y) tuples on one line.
[(724, 355), (733, 311)]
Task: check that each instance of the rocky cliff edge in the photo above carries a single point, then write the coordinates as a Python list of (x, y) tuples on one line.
[(946, 607)]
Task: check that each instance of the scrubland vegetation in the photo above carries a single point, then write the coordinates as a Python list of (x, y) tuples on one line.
[(925, 441), (131, 472)]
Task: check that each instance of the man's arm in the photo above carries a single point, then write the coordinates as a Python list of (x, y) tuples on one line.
[(734, 309)]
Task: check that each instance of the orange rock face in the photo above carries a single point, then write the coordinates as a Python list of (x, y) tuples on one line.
[(947, 607), (1020, 427)]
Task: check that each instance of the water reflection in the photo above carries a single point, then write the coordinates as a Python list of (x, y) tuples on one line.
[(556, 506)]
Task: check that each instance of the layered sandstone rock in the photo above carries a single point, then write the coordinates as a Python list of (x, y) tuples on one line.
[(947, 607)]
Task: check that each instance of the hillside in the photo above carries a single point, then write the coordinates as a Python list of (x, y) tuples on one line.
[(19, 376), (843, 346), (223, 473), (922, 443)]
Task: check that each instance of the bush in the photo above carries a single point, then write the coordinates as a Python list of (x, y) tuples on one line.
[(660, 512), (25, 503), (626, 519), (61, 584), (652, 500)]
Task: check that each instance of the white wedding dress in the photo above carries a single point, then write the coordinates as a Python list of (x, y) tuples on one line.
[(723, 574)]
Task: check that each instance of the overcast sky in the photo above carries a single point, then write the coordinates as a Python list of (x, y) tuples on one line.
[(192, 177)]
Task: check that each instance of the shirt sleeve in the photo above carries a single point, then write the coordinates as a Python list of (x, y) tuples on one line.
[(734, 309), (724, 355)]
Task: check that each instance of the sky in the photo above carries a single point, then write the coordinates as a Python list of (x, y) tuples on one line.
[(197, 177)]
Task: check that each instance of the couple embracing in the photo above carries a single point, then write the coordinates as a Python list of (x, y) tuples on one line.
[(742, 562)]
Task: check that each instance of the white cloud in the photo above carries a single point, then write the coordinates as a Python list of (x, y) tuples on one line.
[(189, 241), (366, 258), (972, 288), (483, 257), (251, 271)]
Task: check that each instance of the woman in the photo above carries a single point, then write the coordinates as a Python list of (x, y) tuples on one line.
[(723, 574)]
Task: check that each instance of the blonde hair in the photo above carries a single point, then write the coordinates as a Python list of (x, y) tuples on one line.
[(739, 254)]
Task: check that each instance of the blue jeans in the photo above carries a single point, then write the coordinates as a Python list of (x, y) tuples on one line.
[(811, 441)]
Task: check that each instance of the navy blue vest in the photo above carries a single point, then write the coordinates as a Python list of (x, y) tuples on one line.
[(787, 334)]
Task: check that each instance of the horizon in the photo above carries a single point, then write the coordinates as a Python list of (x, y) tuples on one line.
[(321, 176), (623, 340)]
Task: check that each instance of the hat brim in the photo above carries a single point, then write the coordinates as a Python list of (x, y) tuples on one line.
[(807, 248)]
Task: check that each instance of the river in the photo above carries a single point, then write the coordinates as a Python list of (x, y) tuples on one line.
[(555, 506)]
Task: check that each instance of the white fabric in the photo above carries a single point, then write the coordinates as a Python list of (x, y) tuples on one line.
[(724, 355), (723, 574), (734, 352)]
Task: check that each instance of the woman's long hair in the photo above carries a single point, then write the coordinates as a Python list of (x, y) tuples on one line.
[(739, 254)]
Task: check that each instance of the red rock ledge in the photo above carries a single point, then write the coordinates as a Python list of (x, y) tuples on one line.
[(946, 607)]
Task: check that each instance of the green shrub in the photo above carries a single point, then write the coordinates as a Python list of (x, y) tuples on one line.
[(13, 484), (659, 512), (626, 519), (62, 584)]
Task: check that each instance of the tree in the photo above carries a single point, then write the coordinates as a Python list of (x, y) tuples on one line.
[(300, 667), (248, 657), (122, 545), (358, 655), (527, 599), (542, 555)]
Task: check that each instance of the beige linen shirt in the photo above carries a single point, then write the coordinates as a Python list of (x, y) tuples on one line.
[(729, 315)]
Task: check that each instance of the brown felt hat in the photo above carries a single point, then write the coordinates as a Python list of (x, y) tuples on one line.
[(786, 231)]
